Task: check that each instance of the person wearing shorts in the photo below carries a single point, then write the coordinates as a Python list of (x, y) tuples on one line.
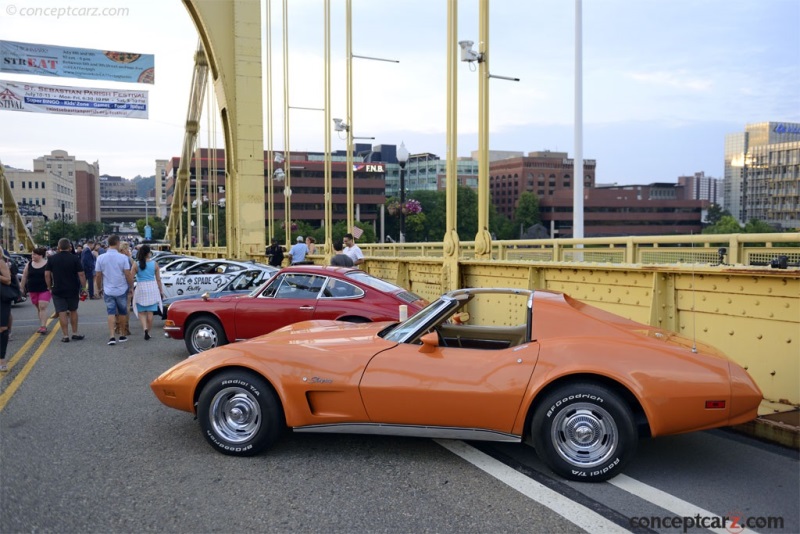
[(65, 278), (34, 284), (115, 280)]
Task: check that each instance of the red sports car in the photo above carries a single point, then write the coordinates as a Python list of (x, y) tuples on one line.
[(294, 294)]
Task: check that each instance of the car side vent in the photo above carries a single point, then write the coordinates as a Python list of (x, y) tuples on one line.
[(408, 296)]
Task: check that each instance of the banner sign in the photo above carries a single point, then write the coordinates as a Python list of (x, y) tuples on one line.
[(86, 101), (86, 63)]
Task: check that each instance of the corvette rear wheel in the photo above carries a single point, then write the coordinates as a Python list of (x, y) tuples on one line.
[(239, 414), (584, 432), (204, 333)]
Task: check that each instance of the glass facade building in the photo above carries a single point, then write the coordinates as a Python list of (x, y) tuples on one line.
[(762, 174)]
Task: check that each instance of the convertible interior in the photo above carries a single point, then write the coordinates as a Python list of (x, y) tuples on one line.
[(481, 337)]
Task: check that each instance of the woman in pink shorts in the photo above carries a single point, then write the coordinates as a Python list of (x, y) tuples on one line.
[(33, 283)]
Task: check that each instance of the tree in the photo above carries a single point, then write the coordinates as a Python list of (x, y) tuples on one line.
[(527, 212), (754, 226), (726, 225), (715, 213), (157, 225)]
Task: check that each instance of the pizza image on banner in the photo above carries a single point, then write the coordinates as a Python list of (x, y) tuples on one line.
[(68, 62), (122, 57), (86, 101)]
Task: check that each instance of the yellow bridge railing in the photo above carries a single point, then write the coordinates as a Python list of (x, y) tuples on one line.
[(734, 299)]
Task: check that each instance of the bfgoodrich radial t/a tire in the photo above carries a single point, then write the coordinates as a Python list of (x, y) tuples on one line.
[(239, 414), (584, 432)]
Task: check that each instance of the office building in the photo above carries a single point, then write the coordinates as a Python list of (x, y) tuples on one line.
[(762, 174)]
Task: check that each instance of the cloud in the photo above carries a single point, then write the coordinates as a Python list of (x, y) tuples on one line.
[(677, 80)]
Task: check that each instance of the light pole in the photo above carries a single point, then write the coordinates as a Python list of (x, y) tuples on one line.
[(63, 221), (186, 216), (402, 158)]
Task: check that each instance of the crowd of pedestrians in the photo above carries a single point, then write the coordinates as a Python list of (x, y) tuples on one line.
[(345, 252), (104, 268), (73, 272)]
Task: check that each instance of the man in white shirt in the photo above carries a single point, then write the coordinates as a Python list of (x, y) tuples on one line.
[(115, 279), (352, 250)]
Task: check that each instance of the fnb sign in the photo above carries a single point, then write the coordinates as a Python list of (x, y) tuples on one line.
[(369, 167)]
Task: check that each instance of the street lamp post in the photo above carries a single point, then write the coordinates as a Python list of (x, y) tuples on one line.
[(402, 158)]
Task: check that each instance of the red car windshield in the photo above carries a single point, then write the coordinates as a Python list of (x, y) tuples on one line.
[(376, 283)]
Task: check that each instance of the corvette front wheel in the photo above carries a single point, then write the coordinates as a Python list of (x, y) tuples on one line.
[(584, 432), (239, 414)]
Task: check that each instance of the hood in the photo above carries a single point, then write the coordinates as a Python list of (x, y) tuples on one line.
[(322, 333)]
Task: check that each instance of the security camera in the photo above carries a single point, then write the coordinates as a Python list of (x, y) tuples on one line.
[(467, 54), (278, 157), (340, 126), (278, 175)]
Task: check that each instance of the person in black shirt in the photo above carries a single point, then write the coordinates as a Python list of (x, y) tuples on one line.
[(5, 310), (275, 254), (65, 279), (340, 259)]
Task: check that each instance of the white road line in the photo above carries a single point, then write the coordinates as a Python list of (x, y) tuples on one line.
[(664, 500), (570, 510)]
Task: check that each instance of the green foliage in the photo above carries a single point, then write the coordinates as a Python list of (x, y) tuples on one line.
[(431, 224), (527, 212), (500, 226), (726, 225), (158, 226), (50, 232), (754, 226), (715, 213)]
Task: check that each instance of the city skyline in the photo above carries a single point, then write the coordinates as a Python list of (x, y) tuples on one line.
[(664, 82)]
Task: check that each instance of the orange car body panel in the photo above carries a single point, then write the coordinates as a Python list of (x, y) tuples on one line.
[(326, 372)]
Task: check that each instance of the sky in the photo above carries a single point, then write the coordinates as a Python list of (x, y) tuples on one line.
[(663, 80)]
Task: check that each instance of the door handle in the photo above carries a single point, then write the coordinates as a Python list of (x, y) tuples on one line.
[(306, 307)]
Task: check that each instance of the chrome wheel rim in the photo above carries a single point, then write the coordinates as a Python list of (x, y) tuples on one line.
[(204, 338), (585, 435), (235, 415)]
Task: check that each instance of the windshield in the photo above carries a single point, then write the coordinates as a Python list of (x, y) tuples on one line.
[(267, 278), (371, 281), (419, 322)]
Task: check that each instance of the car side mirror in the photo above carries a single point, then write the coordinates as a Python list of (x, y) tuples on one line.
[(429, 342), (205, 296)]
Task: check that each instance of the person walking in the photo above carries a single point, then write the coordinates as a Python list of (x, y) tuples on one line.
[(114, 279), (34, 284), (148, 293), (125, 250), (5, 311), (297, 253), (65, 280), (352, 250), (275, 254), (340, 259), (88, 261)]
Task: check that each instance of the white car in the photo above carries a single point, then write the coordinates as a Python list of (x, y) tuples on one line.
[(178, 265), (210, 275)]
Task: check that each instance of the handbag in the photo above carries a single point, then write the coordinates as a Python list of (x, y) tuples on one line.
[(9, 293)]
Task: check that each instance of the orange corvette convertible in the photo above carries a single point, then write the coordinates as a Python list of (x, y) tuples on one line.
[(477, 364)]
